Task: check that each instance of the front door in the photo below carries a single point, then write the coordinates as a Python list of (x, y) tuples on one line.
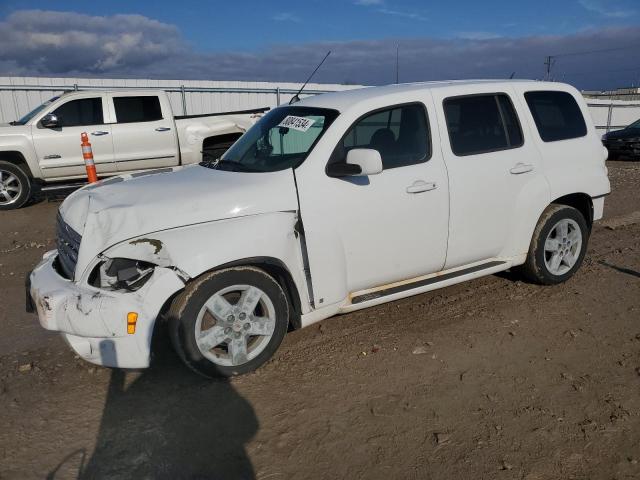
[(58, 149), (365, 232)]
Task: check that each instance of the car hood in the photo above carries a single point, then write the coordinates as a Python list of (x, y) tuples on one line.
[(128, 206), (618, 134)]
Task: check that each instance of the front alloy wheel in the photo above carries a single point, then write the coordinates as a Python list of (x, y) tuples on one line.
[(229, 322), (15, 188), (235, 325)]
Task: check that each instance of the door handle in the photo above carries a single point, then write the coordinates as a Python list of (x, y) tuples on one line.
[(521, 168), (51, 157), (99, 133), (420, 186), (162, 129)]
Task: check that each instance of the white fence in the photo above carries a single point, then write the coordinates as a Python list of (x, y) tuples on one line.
[(19, 95), (613, 114)]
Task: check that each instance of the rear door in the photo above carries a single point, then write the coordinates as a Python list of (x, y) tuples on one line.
[(143, 132), (58, 149), (497, 187)]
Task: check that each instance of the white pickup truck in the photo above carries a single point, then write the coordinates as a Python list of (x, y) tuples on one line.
[(130, 130), (339, 202)]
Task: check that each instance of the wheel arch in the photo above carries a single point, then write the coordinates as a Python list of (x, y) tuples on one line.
[(215, 140), (581, 202), (18, 159), (273, 267)]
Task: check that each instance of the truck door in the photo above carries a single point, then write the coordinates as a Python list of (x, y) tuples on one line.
[(58, 149), (367, 231), (143, 133)]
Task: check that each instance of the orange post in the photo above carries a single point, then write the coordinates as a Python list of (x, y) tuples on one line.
[(87, 154)]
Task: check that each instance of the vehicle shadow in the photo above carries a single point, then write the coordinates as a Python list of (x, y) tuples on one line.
[(628, 271), (170, 423)]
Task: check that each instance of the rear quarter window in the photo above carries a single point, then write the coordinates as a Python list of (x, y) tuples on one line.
[(557, 115)]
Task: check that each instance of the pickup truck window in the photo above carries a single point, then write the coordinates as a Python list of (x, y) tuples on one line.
[(482, 124), (401, 135), (76, 113), (281, 139), (137, 109), (557, 115)]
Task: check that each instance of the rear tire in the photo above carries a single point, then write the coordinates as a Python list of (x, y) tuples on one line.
[(558, 245), (229, 322)]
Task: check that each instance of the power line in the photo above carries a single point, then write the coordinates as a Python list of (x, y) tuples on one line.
[(550, 60), (587, 52)]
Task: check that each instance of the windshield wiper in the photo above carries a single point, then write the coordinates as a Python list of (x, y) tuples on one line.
[(235, 166), (15, 122)]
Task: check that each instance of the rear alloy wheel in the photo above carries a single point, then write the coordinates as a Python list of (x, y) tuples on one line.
[(15, 187), (562, 246), (229, 322), (558, 245)]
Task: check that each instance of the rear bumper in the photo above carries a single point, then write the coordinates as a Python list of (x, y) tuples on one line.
[(93, 321)]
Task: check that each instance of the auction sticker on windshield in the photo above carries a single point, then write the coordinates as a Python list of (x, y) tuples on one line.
[(297, 123)]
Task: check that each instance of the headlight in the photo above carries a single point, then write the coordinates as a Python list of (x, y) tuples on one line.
[(121, 274)]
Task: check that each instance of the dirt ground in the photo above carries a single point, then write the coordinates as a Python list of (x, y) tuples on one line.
[(491, 379)]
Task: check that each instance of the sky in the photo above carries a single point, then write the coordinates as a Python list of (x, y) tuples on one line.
[(595, 44)]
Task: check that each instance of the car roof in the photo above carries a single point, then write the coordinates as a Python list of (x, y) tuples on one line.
[(346, 99)]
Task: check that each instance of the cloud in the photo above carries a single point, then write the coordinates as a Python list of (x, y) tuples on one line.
[(607, 8), (286, 17), (380, 4), (41, 43), (478, 35), (398, 13)]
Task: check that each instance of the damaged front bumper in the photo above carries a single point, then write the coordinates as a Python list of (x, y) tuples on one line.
[(93, 321)]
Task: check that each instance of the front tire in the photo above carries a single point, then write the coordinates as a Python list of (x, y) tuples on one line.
[(558, 245), (229, 322), (15, 187)]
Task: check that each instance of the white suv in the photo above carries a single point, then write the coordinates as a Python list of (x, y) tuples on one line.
[(336, 203)]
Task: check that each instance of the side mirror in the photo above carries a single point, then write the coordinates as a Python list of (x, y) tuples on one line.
[(360, 162), (50, 120)]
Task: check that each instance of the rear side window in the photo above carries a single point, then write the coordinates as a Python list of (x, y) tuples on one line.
[(137, 109), (557, 115), (76, 113), (401, 135), (481, 124)]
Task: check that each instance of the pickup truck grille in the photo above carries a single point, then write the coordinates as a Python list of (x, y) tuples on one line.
[(68, 242)]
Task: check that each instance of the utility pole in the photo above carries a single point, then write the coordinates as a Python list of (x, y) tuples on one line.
[(549, 61), (397, 63)]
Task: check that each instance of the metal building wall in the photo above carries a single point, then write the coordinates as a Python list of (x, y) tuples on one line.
[(19, 95)]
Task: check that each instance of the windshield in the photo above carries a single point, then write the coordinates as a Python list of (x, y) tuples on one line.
[(34, 112), (282, 139)]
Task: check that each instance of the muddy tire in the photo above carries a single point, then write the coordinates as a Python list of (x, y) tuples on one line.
[(229, 322), (558, 246), (15, 186)]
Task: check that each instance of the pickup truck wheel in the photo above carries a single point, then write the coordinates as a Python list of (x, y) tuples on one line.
[(558, 245), (229, 322), (15, 187)]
